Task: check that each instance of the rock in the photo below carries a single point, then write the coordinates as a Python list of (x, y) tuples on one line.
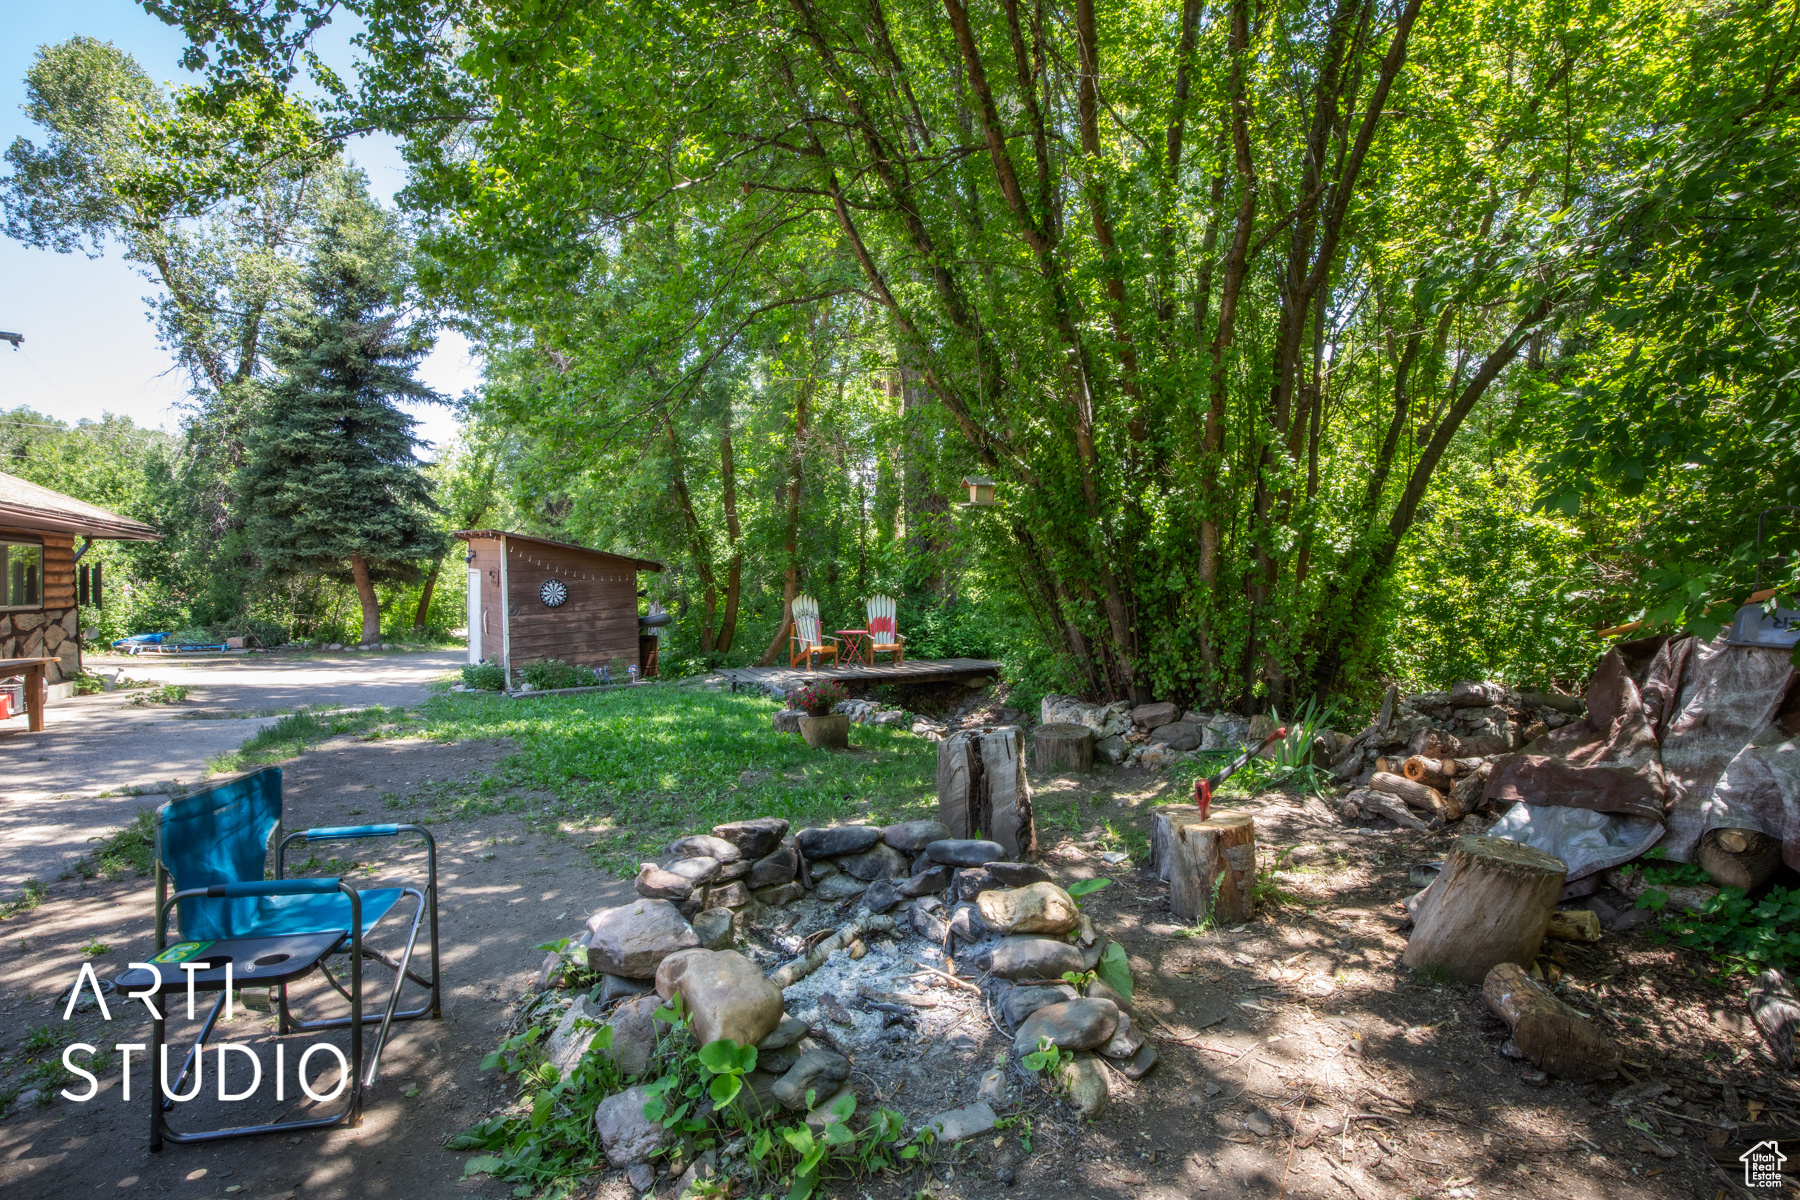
[(1111, 750), (964, 852), (729, 895), (704, 845), (1012, 874), (877, 862), (716, 928), (725, 993), (1033, 958), (697, 870), (929, 882), (791, 1030), (654, 883), (1072, 1025), (728, 872), (839, 887), (966, 924), (617, 987), (1021, 1002), (836, 840), (970, 882), (788, 720), (929, 922), (572, 1036), (1468, 693), (1125, 1040), (1153, 716), (822, 1116), (1534, 1078), (779, 866), (633, 939), (992, 1087), (1099, 989), (780, 1059), (1139, 1064), (1178, 735), (818, 1070), (755, 838), (1004, 1176), (634, 1034), (914, 836), (1258, 1122), (881, 896), (780, 894), (701, 1168), (1085, 1080), (641, 1177), (1036, 908), (821, 870), (625, 1134), (961, 1124)]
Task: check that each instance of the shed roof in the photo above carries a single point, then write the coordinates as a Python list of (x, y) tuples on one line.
[(25, 505), (642, 564)]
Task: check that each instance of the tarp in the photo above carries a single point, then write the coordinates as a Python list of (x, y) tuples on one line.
[(1680, 736)]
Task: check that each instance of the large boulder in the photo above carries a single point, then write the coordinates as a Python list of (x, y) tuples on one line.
[(819, 1071), (836, 840), (777, 867), (1072, 1025), (1020, 1002), (1012, 874), (964, 852), (632, 939), (725, 994), (914, 836), (716, 928), (654, 883), (634, 1034), (627, 1136), (572, 1036), (703, 845), (1178, 735), (839, 887), (1035, 908), (754, 838), (877, 862), (1153, 716), (697, 870), (1027, 957)]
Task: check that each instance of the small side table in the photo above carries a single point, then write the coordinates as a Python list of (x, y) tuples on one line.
[(855, 646)]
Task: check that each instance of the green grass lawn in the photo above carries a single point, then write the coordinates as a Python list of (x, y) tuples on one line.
[(640, 766)]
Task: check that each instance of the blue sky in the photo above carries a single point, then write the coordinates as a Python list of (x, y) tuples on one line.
[(89, 346)]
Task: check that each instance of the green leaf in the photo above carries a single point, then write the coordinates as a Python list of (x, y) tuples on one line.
[(727, 1057), (724, 1089), (488, 1164), (1114, 970), (1083, 887)]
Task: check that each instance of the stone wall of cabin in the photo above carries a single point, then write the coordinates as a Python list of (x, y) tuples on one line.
[(53, 631)]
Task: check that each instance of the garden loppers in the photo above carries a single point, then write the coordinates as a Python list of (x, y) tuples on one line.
[(1204, 788)]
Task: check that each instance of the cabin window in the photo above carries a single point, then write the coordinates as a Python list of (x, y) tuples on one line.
[(23, 582)]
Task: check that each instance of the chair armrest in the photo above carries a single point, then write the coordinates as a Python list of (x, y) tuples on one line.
[(344, 832), (268, 887)]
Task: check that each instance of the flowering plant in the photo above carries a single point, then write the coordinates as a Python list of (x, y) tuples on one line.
[(817, 698)]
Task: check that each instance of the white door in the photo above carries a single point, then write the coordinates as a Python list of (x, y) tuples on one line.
[(474, 615)]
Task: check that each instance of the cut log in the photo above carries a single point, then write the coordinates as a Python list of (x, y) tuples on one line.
[(1164, 822), (1388, 765), (1386, 717), (983, 791), (1383, 805), (1437, 773), (1739, 858), (788, 720), (1776, 1011), (1491, 904), (1416, 795), (1062, 747), (1549, 1032), (1212, 864), (1471, 786), (1577, 925)]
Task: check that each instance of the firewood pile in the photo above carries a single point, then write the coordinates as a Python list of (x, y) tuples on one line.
[(1426, 759)]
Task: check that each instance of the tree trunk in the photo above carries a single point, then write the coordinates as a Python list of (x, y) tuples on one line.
[(983, 791), (791, 540), (1491, 904), (1212, 864), (1057, 748), (1547, 1031), (734, 570), (365, 592), (425, 595)]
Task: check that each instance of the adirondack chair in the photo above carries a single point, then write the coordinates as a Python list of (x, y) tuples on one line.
[(884, 633), (807, 641)]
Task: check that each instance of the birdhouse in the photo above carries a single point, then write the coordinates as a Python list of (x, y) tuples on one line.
[(981, 490)]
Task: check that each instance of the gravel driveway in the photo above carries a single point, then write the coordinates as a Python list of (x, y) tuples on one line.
[(54, 780)]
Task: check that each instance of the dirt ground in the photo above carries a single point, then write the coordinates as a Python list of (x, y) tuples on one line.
[(1298, 1057)]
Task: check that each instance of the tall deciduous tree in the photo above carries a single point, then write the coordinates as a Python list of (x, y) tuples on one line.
[(332, 484)]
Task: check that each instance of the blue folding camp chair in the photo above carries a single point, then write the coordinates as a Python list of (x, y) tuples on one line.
[(241, 930)]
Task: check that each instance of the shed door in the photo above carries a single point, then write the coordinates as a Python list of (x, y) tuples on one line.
[(474, 619)]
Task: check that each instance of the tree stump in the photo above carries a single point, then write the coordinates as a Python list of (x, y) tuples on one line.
[(1416, 795), (1058, 748), (1547, 1031), (788, 720), (1212, 864), (1739, 858), (983, 790), (1491, 904), (1164, 822)]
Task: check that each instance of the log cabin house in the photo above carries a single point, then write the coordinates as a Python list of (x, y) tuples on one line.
[(41, 575), (535, 600)]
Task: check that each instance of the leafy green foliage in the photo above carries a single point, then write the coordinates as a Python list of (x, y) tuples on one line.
[(1114, 970), (485, 676), (1087, 887), (818, 698), (1742, 935), (1045, 1059), (292, 734), (124, 852), (554, 673)]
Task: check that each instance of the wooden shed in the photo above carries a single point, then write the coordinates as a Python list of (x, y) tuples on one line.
[(532, 600)]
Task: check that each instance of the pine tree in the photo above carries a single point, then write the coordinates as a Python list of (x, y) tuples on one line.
[(332, 484)]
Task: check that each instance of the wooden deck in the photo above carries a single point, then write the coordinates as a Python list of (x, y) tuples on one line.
[(922, 671)]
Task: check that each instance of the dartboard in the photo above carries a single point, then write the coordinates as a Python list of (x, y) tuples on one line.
[(554, 592)]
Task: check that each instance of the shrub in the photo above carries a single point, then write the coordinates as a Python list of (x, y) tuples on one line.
[(486, 677), (553, 673), (817, 698)]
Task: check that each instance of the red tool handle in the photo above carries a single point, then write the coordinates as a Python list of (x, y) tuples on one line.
[(1204, 788)]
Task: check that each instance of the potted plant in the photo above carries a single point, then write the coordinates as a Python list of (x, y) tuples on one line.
[(821, 727)]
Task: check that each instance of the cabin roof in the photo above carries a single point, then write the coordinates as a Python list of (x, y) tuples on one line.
[(642, 564), (26, 505)]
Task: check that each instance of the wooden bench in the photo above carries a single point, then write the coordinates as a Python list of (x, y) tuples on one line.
[(33, 671)]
